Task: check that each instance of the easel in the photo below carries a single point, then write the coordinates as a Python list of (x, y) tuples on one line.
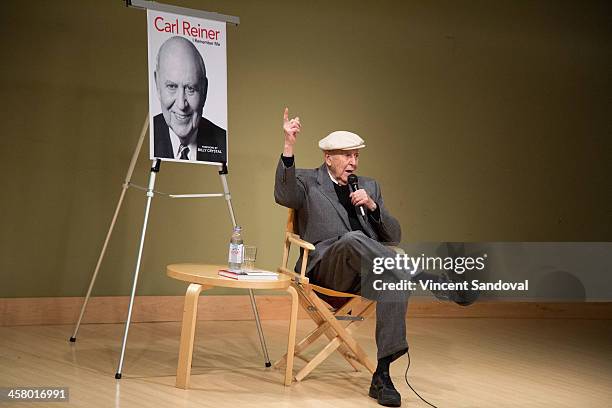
[(150, 192)]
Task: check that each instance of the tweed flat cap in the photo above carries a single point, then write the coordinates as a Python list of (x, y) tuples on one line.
[(341, 140)]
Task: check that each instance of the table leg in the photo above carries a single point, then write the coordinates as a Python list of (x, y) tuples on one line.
[(291, 339), (188, 327)]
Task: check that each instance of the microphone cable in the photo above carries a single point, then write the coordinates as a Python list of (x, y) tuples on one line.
[(413, 390)]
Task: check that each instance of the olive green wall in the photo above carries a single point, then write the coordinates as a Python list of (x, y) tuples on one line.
[(484, 120)]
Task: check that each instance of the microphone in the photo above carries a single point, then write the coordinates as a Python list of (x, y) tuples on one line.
[(352, 182)]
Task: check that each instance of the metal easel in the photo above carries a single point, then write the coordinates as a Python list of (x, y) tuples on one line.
[(150, 193)]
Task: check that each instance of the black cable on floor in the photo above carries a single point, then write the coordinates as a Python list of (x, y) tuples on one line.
[(413, 390)]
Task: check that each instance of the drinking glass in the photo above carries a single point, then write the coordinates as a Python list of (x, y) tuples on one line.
[(250, 254)]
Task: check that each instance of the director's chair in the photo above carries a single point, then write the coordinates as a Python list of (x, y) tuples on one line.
[(337, 324)]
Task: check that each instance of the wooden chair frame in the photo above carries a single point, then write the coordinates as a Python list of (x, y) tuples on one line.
[(337, 325)]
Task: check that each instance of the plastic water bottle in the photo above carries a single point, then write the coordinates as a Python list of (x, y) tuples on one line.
[(236, 249)]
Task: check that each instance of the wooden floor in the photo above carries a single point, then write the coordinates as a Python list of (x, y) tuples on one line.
[(455, 363)]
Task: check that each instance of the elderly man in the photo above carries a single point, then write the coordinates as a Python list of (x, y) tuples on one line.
[(347, 240), (180, 131)]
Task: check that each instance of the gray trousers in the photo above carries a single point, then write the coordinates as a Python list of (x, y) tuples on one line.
[(346, 266)]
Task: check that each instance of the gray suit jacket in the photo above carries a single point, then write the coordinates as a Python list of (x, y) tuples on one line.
[(321, 218)]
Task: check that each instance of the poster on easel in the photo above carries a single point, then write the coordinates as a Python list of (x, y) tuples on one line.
[(187, 88)]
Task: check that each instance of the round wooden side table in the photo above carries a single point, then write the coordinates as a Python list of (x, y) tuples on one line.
[(205, 276)]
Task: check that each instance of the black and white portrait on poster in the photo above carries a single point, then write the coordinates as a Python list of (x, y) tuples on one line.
[(187, 88)]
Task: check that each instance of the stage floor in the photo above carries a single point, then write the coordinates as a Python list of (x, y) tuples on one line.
[(463, 362)]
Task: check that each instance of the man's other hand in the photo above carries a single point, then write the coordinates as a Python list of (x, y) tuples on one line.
[(291, 128)]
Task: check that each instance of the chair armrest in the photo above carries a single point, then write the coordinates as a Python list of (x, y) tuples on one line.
[(295, 239), (291, 238), (295, 276)]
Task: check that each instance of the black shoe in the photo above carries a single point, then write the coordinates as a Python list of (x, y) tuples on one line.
[(461, 297), (384, 391)]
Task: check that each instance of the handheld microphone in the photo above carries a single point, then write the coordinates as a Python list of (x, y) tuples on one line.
[(352, 182)]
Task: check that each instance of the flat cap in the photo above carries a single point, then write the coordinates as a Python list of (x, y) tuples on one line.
[(341, 140)]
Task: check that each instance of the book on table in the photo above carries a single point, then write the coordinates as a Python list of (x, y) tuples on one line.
[(250, 274)]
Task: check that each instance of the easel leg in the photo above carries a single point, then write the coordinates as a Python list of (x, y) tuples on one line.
[(154, 170), (262, 339), (228, 200), (126, 183), (226, 193)]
